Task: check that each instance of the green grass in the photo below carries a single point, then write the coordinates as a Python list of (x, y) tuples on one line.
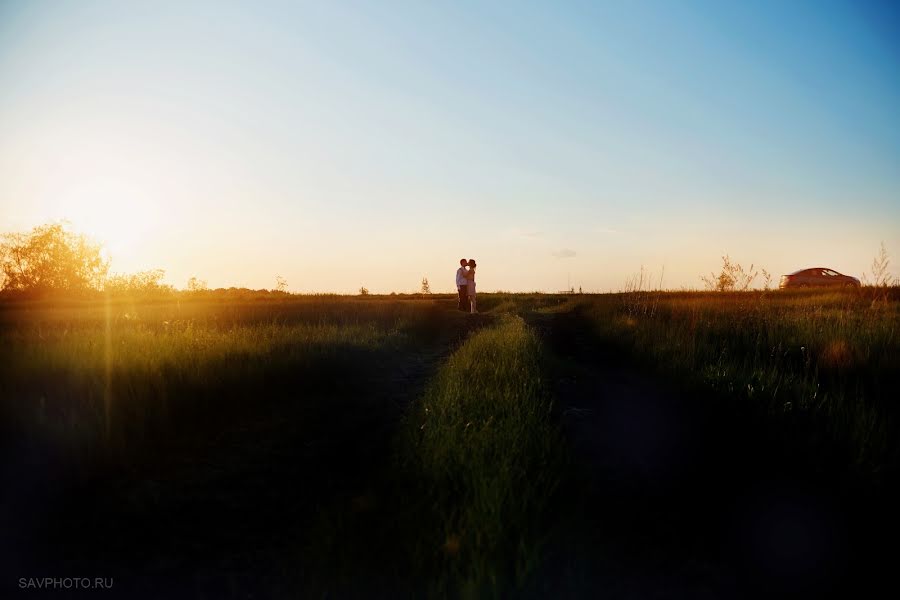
[(826, 361), (488, 456), (107, 379), (463, 507)]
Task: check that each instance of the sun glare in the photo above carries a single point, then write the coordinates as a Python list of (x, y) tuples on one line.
[(114, 213)]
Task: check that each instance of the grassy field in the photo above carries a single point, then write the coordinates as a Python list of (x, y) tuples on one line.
[(370, 445), (825, 362), (102, 380)]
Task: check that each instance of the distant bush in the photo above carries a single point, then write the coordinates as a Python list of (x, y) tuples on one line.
[(143, 283), (732, 277), (196, 285)]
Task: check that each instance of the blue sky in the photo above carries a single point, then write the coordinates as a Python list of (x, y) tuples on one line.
[(349, 144)]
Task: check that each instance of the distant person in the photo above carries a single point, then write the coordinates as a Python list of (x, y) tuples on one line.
[(470, 287), (462, 286)]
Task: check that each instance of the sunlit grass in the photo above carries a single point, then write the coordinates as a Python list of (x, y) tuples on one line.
[(85, 381)]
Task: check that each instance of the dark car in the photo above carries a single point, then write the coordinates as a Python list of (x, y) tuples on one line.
[(817, 277)]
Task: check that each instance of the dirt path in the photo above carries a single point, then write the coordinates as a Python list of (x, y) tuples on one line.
[(681, 499)]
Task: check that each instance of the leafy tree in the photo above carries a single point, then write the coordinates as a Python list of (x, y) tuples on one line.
[(51, 258), (426, 287), (363, 291)]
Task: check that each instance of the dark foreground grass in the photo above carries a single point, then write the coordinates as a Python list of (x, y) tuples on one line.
[(161, 443), (825, 365), (271, 412), (363, 447), (463, 509)]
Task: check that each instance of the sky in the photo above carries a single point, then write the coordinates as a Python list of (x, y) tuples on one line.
[(349, 144)]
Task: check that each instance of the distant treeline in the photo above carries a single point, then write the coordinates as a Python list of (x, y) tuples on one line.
[(52, 261)]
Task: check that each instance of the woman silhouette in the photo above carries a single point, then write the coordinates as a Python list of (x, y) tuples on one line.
[(470, 277)]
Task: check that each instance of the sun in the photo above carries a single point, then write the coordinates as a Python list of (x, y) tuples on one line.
[(119, 215)]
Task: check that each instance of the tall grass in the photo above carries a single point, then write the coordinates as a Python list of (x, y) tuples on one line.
[(829, 360), (97, 378)]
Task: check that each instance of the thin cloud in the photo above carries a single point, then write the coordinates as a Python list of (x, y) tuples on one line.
[(521, 233), (565, 253)]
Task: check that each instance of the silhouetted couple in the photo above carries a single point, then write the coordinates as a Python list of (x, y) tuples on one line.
[(465, 285)]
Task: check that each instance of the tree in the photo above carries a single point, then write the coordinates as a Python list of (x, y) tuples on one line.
[(281, 284), (363, 291), (197, 285), (51, 258), (426, 287)]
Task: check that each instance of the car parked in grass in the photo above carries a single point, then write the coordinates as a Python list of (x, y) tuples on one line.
[(817, 277)]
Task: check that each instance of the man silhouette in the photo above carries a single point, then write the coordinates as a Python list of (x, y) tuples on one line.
[(462, 286)]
